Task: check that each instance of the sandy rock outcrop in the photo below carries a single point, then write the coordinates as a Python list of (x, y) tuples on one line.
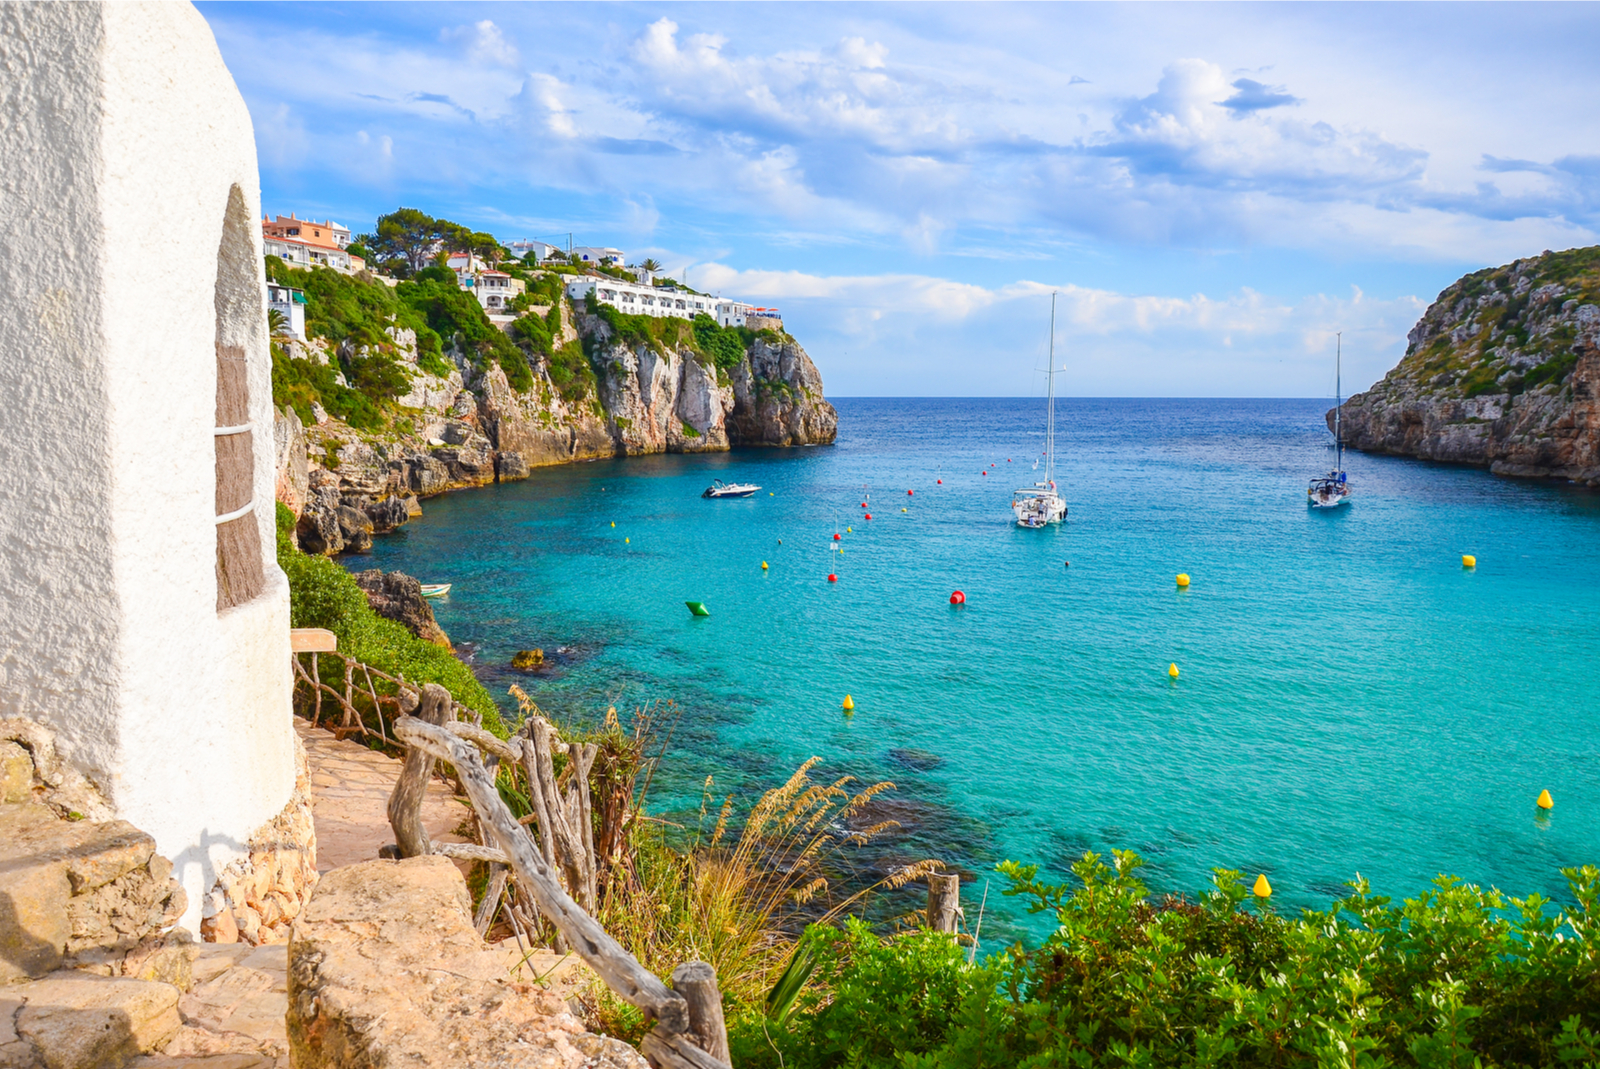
[(397, 596), (778, 398), (386, 969), (1502, 371)]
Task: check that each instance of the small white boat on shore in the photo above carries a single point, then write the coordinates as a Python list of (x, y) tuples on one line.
[(718, 488), (435, 590)]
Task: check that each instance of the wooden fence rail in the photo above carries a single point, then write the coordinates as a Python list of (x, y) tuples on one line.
[(689, 1031)]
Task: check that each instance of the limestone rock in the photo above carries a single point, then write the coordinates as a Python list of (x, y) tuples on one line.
[(398, 597), (16, 773), (509, 465), (387, 514), (289, 451), (1502, 371), (318, 530), (385, 969), (76, 1020), (527, 660)]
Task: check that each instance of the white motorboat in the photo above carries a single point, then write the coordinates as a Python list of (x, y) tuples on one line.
[(1041, 504), (1333, 489), (718, 488)]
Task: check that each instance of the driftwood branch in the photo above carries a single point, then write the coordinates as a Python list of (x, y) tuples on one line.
[(490, 905), (666, 1050), (470, 852), (405, 804), (613, 964)]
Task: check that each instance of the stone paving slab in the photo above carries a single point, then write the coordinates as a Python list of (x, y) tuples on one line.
[(350, 787)]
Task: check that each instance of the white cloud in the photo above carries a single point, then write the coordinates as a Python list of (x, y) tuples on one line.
[(483, 42)]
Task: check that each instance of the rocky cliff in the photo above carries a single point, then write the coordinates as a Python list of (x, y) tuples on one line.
[(633, 396), (1502, 371)]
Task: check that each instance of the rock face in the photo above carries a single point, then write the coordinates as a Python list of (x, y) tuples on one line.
[(397, 596), (474, 429), (386, 969), (1502, 371)]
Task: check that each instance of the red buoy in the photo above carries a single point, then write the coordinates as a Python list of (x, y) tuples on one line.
[(941, 482), (836, 538), (983, 473), (832, 578), (911, 493), (958, 598), (869, 515)]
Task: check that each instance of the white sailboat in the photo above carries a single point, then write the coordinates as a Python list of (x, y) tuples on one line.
[(1040, 503), (1333, 489)]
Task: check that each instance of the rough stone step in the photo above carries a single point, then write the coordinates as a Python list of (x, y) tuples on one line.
[(76, 1020)]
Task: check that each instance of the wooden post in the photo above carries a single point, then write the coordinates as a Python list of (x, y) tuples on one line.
[(944, 901), (405, 804), (697, 983)]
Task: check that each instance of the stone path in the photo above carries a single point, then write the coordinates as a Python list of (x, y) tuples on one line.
[(350, 787), (234, 1016)]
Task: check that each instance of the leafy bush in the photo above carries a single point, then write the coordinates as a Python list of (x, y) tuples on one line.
[(322, 594), (301, 383), (455, 313), (1456, 976), (725, 346)]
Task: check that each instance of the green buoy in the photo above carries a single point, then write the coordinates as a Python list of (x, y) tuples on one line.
[(698, 608)]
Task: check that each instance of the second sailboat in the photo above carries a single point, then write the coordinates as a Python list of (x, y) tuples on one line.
[(1040, 503)]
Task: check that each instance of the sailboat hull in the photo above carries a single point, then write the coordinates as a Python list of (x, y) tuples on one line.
[(1038, 510)]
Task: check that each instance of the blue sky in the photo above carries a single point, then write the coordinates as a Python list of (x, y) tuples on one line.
[(1213, 189)]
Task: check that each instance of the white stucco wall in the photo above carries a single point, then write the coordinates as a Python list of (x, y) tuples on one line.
[(125, 137)]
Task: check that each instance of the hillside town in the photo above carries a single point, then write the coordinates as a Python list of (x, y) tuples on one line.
[(602, 271)]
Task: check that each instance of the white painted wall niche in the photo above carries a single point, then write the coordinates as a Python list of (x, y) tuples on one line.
[(150, 637)]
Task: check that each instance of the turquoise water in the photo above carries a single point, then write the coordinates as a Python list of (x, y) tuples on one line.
[(1351, 699)]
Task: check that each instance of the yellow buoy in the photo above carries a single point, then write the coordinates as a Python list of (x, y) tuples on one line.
[(1172, 670), (902, 510), (1545, 801), (848, 704), (1468, 560), (625, 541), (849, 530), (613, 523), (1262, 889), (763, 565), (1183, 578)]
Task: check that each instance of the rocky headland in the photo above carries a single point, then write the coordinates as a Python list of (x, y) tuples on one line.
[(1502, 371), (471, 427)]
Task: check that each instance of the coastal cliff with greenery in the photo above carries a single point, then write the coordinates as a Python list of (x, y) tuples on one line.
[(1502, 371), (405, 389)]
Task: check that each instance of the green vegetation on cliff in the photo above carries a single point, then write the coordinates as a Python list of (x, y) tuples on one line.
[(1504, 329), (1455, 977), (322, 594)]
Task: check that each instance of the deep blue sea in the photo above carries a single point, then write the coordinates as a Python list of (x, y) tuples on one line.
[(1351, 698)]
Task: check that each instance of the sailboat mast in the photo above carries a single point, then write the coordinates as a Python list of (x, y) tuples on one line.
[(1050, 417), (1338, 401)]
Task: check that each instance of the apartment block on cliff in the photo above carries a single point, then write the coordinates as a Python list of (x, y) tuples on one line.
[(634, 298)]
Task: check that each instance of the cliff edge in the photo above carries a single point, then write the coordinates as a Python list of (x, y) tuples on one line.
[(1502, 371), (597, 385)]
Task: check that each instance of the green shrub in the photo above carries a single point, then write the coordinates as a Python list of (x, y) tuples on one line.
[(322, 594), (1456, 976)]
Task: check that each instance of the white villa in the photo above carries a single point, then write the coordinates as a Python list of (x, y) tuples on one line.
[(298, 252), (586, 254), (494, 289), (638, 299), (292, 303), (540, 249)]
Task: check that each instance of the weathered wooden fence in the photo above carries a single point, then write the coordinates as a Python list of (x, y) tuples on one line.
[(689, 1032)]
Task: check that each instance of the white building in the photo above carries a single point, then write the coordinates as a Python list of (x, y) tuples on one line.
[(586, 254), (297, 252), (143, 618), (290, 302), (636, 299), (541, 250), (493, 289)]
